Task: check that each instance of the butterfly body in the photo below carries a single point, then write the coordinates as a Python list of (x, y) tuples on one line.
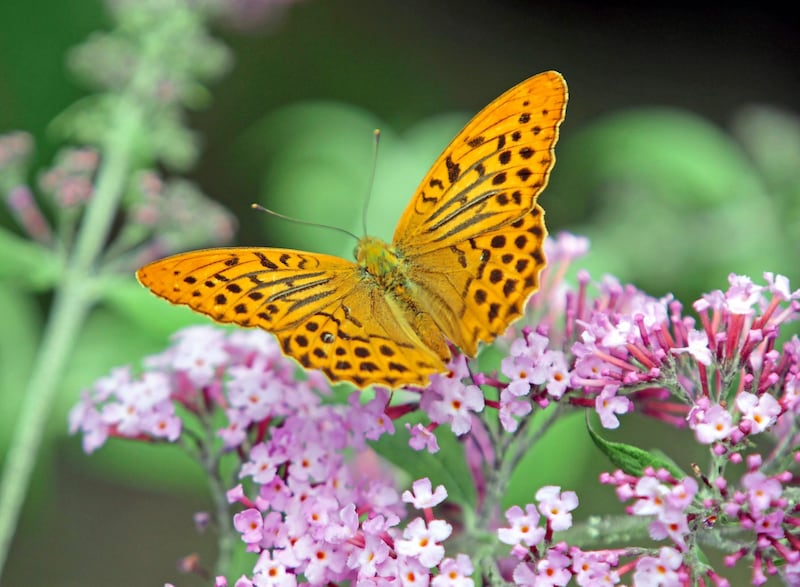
[(465, 257), (380, 261)]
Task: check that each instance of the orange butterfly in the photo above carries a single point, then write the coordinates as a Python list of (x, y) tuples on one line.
[(465, 257)]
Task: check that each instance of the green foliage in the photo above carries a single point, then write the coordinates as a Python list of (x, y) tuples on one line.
[(673, 203), (319, 159), (27, 265), (447, 467), (632, 459), (18, 339)]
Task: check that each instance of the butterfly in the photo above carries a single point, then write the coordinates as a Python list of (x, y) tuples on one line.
[(465, 257)]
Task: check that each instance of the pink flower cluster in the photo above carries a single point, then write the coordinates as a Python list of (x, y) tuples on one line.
[(647, 349), (70, 182), (658, 495), (315, 516), (541, 563), (312, 515), (121, 405)]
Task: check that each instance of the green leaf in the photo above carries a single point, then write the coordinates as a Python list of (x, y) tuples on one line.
[(632, 459), (701, 556), (670, 153), (447, 467), (27, 264), (559, 457)]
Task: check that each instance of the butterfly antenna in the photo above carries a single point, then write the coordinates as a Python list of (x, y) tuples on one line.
[(261, 208), (377, 134)]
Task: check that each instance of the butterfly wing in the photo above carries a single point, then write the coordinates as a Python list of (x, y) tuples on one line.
[(325, 313), (492, 172), (472, 235), (476, 288)]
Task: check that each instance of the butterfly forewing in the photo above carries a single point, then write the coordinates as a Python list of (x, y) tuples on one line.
[(271, 288), (323, 312), (472, 236), (492, 172)]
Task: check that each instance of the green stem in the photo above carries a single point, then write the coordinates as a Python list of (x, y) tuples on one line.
[(73, 301), (226, 537), (211, 461), (63, 326)]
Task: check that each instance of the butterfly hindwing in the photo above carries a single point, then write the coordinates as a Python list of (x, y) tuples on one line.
[(365, 338), (490, 275)]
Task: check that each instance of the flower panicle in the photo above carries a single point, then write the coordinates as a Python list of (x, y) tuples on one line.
[(312, 515)]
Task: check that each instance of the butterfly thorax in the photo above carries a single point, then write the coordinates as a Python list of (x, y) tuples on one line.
[(382, 262)]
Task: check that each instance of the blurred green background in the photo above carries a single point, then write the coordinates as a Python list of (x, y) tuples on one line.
[(679, 158)]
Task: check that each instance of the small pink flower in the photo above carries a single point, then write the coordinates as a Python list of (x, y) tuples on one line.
[(367, 559), (373, 421), (660, 571), (742, 295), (779, 286), (161, 422), (324, 561), (565, 246), (85, 418), (411, 572), (423, 497), (761, 411), (553, 570), (512, 407), (521, 374), (423, 542), (697, 347), (712, 425), (235, 433), (454, 573), (761, 490), (556, 506), (608, 404), (249, 523), (557, 373), (271, 573), (651, 496), (309, 463), (524, 528), (262, 466), (422, 438), (198, 352), (455, 404), (670, 524)]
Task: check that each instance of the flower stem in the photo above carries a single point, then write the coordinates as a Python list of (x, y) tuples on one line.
[(226, 536), (64, 324), (73, 300)]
